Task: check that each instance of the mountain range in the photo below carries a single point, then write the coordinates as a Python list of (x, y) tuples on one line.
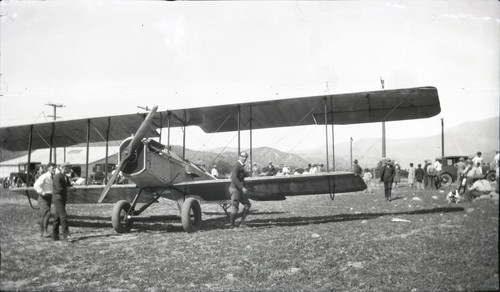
[(465, 139)]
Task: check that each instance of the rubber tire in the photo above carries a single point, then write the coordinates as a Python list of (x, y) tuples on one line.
[(119, 223), (491, 177), (446, 180), (332, 196), (191, 222)]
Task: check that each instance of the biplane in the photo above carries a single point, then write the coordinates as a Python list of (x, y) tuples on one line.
[(157, 172)]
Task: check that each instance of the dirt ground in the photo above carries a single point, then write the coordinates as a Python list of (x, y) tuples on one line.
[(357, 242)]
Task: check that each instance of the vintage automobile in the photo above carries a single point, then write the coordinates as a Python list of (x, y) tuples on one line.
[(21, 177), (449, 170)]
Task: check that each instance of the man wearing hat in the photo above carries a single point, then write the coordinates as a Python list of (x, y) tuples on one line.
[(59, 198), (238, 191), (44, 186), (215, 172), (477, 159), (480, 187), (460, 165), (387, 177), (357, 169)]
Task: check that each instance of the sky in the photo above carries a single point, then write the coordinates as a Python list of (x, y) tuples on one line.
[(101, 58)]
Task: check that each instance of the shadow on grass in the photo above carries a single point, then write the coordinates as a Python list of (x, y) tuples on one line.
[(256, 212), (295, 221), (163, 223), (144, 223)]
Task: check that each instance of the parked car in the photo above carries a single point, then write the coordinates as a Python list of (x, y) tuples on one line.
[(21, 177), (449, 170)]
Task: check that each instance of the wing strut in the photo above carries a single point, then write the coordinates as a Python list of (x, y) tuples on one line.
[(326, 135), (129, 152)]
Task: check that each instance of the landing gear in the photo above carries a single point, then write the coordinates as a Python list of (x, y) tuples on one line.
[(332, 196), (124, 213), (121, 217), (225, 207), (191, 215)]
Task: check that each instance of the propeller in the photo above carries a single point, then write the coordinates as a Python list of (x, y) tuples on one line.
[(128, 152)]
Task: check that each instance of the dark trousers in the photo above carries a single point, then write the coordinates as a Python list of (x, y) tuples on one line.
[(61, 218), (44, 204), (471, 195), (388, 189)]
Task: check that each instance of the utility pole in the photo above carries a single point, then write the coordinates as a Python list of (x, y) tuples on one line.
[(442, 137), (383, 125), (351, 152), (54, 107)]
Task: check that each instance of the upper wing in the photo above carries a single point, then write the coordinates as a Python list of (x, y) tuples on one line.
[(67, 133), (349, 108), (341, 109)]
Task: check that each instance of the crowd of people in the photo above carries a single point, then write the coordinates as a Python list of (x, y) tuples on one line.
[(471, 181)]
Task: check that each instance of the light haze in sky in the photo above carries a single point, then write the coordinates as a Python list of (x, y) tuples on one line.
[(102, 58)]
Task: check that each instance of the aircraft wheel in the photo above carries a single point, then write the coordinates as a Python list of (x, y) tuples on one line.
[(119, 219), (191, 215), (446, 180), (332, 196)]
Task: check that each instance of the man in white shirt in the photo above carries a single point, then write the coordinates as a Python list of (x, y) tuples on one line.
[(438, 165), (477, 159), (215, 172), (44, 187), (477, 189)]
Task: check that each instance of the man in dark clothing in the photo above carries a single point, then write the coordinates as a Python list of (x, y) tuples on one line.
[(357, 169), (387, 177), (238, 191), (270, 169), (60, 196), (426, 175)]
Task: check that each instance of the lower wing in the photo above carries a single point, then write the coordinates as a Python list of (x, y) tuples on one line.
[(265, 188)]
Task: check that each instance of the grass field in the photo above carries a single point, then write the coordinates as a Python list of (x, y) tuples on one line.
[(357, 242)]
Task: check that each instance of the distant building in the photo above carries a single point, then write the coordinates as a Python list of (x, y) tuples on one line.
[(76, 155)]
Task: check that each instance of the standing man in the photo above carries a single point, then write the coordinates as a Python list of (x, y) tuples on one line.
[(270, 169), (477, 159), (238, 191), (426, 175), (387, 177), (60, 196), (419, 176), (44, 187), (356, 168), (411, 175), (438, 165), (215, 173), (460, 165)]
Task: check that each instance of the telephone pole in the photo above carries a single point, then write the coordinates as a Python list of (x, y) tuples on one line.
[(54, 107)]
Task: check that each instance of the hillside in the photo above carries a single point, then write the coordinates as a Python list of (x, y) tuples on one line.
[(465, 139), (262, 156)]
